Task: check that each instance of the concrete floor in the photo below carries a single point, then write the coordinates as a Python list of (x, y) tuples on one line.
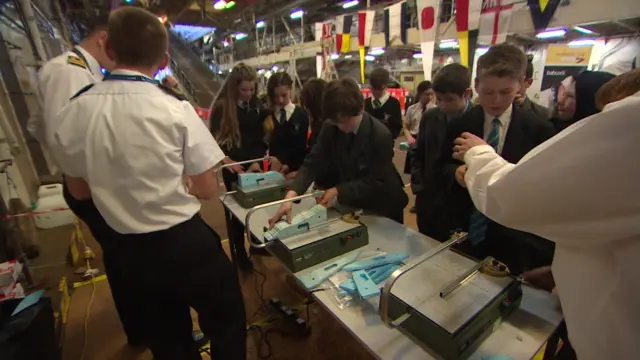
[(103, 333)]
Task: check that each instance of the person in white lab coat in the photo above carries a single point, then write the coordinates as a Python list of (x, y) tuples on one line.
[(580, 190), (130, 153)]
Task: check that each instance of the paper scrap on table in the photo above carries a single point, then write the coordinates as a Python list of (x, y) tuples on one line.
[(28, 301)]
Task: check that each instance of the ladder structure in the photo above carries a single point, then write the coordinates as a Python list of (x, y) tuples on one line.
[(329, 71)]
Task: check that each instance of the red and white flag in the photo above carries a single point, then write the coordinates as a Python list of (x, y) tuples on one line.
[(323, 30), (495, 20), (428, 20)]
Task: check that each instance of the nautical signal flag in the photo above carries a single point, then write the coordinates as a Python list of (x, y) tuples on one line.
[(542, 12), (343, 33), (395, 21), (495, 20), (467, 23), (365, 29), (323, 30), (428, 21)]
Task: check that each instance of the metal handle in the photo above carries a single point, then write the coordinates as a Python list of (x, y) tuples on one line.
[(278, 202), (219, 171), (383, 311)]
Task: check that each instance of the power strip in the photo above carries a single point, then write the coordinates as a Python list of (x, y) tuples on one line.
[(299, 324)]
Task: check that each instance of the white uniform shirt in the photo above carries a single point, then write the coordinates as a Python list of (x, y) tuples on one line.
[(58, 80), (580, 189), (505, 120), (414, 115), (133, 146), (288, 111)]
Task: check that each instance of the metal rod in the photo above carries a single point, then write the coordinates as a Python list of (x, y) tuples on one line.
[(219, 170), (278, 202), (386, 290), (286, 25), (459, 280)]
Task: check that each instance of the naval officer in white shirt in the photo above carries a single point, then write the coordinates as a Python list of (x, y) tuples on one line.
[(57, 81), (580, 189), (135, 145)]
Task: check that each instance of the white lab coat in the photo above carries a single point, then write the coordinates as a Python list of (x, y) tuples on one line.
[(581, 189)]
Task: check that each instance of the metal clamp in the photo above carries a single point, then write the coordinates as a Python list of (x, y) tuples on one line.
[(383, 311), (219, 171), (262, 244)]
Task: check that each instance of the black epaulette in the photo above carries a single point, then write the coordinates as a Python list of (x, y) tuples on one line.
[(76, 61), (82, 91), (173, 92)]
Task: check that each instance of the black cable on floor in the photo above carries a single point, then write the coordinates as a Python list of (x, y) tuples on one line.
[(259, 290)]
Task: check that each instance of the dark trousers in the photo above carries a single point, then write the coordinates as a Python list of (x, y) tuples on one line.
[(126, 306), (235, 228), (178, 268)]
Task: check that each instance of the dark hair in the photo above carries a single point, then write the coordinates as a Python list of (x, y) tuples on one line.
[(137, 37), (503, 60), (422, 87), (528, 74), (452, 79), (618, 88), (342, 97), (379, 78), (311, 100), (95, 23), (276, 80)]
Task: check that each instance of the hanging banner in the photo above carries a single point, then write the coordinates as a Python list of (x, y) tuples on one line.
[(322, 30), (428, 11), (365, 30), (495, 19), (562, 65), (467, 23), (395, 24), (542, 12), (343, 33)]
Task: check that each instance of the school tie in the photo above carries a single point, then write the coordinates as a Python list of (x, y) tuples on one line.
[(283, 116), (377, 104), (479, 222), (244, 105), (351, 139)]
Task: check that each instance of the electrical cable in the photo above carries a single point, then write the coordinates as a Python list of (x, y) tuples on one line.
[(87, 316), (260, 290)]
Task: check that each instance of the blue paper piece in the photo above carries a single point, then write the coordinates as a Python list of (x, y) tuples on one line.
[(254, 179), (318, 276), (378, 275), (28, 301), (366, 264), (366, 287), (497, 357)]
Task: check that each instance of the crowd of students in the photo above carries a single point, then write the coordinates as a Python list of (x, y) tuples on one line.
[(137, 159)]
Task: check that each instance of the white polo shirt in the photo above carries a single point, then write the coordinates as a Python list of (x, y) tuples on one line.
[(133, 146)]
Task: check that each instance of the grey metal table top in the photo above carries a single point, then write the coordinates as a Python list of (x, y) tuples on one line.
[(520, 336)]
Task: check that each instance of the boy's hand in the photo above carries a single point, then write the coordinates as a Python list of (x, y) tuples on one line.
[(255, 167), (284, 169), (328, 197), (465, 142), (291, 175), (541, 278), (284, 210), (276, 165), (411, 140), (461, 171)]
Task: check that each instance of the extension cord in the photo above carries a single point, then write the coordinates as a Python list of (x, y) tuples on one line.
[(300, 325)]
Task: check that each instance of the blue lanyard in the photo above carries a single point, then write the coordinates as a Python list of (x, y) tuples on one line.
[(121, 77)]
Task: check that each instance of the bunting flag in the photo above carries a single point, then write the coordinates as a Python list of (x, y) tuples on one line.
[(495, 20), (467, 23), (322, 30), (542, 12), (428, 11), (365, 30), (343, 33), (395, 24)]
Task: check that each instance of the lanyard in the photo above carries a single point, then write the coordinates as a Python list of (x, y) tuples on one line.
[(123, 77)]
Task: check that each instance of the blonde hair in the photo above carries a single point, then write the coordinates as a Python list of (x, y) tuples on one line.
[(227, 101), (618, 88)]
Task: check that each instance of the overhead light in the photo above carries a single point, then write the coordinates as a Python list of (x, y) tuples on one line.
[(240, 36), (376, 51), (225, 43), (582, 42), (550, 34), (296, 14), (162, 19), (260, 24), (350, 4), (261, 71), (449, 44), (334, 56), (274, 68), (417, 56), (482, 50), (230, 4), (220, 72), (583, 30), (369, 58), (348, 56), (219, 5)]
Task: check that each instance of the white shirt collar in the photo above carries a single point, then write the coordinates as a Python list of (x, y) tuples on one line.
[(504, 118), (383, 99), (94, 65), (288, 109)]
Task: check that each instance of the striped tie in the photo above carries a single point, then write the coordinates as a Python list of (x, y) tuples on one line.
[(479, 222)]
